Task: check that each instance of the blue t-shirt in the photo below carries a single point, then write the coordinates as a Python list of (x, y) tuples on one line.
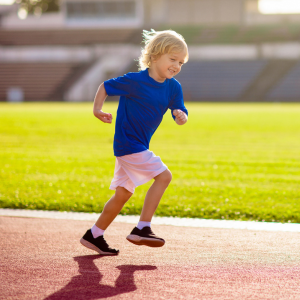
[(143, 102)]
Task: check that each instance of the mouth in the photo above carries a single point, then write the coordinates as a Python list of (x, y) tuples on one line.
[(172, 71)]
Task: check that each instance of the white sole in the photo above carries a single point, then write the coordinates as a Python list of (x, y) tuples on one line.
[(93, 247), (138, 240)]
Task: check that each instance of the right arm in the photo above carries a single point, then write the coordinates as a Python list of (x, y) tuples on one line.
[(98, 104)]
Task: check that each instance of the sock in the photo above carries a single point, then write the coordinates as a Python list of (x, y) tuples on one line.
[(143, 224), (96, 231)]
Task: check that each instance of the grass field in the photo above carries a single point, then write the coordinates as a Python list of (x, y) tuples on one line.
[(230, 161)]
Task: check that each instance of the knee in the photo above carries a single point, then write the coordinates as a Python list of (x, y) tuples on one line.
[(165, 177), (123, 194)]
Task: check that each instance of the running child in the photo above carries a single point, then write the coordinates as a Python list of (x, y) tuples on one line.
[(145, 97)]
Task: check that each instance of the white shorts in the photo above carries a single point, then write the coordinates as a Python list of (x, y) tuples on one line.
[(136, 169)]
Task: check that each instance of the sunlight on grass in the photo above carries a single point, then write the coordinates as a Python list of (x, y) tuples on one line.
[(230, 161)]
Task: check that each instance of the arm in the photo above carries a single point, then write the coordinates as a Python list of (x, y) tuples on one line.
[(180, 117), (98, 104)]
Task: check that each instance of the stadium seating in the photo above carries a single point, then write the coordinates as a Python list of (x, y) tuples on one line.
[(48, 80), (201, 80), (288, 87), (39, 81), (207, 80)]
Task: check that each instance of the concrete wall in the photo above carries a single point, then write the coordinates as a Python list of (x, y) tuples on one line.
[(129, 53), (111, 60), (210, 12), (187, 12), (156, 12), (216, 12)]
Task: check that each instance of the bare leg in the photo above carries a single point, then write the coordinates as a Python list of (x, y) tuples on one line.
[(112, 207), (154, 195)]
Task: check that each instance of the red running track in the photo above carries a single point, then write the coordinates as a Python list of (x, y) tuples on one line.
[(43, 259)]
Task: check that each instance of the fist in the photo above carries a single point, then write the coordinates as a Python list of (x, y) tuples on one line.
[(180, 116), (102, 116)]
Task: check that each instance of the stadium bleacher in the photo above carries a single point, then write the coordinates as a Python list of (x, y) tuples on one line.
[(209, 80), (39, 81), (201, 80), (288, 87)]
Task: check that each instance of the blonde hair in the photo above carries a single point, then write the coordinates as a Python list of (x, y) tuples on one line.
[(158, 43)]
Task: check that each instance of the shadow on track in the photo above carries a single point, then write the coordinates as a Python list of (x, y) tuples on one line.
[(87, 285)]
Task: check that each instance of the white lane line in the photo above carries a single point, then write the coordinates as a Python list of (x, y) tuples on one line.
[(174, 221)]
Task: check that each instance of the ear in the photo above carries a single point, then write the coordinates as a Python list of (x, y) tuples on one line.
[(153, 58)]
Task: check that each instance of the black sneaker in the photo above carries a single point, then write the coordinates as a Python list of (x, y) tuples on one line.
[(145, 237), (98, 244)]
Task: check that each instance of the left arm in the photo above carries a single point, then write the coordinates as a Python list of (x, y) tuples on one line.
[(178, 110)]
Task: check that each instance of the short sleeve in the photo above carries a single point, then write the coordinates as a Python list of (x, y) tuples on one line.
[(177, 100), (120, 86)]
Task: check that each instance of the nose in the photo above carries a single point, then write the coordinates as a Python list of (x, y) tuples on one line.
[(178, 66)]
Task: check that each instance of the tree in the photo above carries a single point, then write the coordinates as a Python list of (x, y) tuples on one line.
[(38, 7)]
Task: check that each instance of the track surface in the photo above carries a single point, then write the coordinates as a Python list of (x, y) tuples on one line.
[(43, 259)]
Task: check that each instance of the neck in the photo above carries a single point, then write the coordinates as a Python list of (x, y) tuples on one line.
[(155, 76)]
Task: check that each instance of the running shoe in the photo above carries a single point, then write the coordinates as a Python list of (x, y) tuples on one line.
[(145, 237), (97, 244)]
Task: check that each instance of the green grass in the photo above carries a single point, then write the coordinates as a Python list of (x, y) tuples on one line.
[(230, 161)]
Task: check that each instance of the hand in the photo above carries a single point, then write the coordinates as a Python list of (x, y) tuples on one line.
[(102, 116), (180, 117)]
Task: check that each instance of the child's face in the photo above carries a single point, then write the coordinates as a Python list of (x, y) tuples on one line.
[(166, 66)]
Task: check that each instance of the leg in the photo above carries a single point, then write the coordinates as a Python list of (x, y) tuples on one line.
[(112, 207), (154, 195), (146, 236), (110, 211)]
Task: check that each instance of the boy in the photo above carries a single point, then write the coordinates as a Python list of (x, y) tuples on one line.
[(145, 96)]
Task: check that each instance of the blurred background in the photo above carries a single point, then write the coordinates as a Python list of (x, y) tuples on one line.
[(61, 50)]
